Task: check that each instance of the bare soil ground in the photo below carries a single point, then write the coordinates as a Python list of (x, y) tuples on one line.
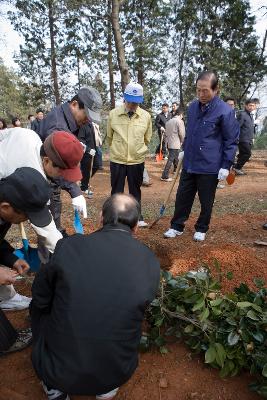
[(239, 212)]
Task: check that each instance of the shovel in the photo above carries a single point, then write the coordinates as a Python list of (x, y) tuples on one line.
[(77, 223), (164, 205), (159, 156), (27, 252), (91, 171)]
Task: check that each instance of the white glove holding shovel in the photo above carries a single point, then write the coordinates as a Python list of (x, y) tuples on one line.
[(79, 204), (92, 152), (181, 155), (223, 173)]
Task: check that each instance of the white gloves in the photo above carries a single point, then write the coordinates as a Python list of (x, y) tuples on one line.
[(84, 146), (162, 129), (223, 173), (92, 152), (79, 204), (48, 236), (181, 155)]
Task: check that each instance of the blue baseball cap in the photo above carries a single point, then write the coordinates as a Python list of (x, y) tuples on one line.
[(134, 93)]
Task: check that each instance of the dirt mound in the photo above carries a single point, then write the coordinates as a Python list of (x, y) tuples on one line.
[(231, 244)]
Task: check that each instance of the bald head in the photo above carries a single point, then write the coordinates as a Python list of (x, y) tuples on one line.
[(121, 209)]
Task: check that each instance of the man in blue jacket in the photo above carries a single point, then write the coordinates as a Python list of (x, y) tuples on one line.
[(209, 150)]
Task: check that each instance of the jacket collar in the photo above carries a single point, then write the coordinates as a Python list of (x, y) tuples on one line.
[(122, 111), (117, 227), (207, 107), (72, 125)]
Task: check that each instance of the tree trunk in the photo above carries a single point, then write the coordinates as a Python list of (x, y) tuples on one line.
[(123, 66), (110, 60), (255, 67), (78, 71), (180, 68), (140, 67), (53, 52)]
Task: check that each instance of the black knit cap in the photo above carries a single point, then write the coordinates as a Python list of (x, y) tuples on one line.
[(28, 191)]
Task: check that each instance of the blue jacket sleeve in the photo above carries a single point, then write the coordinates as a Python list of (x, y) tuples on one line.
[(230, 133), (51, 123), (71, 187)]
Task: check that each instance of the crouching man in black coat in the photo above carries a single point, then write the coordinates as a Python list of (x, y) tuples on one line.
[(88, 306)]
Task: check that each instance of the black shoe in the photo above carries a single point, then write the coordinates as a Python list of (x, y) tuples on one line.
[(264, 226)]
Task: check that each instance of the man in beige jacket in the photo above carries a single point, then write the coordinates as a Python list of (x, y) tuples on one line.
[(174, 137), (128, 133)]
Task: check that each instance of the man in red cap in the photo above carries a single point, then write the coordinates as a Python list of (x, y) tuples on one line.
[(58, 158)]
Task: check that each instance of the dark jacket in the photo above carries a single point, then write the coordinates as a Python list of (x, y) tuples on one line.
[(36, 125), (86, 135), (7, 257), (211, 137), (87, 310), (247, 127), (61, 119), (161, 120), (58, 119)]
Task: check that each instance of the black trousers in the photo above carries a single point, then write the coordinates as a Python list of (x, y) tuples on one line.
[(56, 205), (8, 335), (172, 159), (243, 155), (190, 184), (134, 175), (86, 168)]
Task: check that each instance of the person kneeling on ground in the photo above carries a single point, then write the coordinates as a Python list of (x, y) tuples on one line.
[(86, 321), (23, 195), (58, 160)]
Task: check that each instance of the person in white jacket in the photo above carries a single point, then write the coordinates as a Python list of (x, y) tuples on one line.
[(58, 157)]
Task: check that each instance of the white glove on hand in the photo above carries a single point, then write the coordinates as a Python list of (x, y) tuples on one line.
[(79, 204), (223, 173), (84, 146), (92, 152), (162, 129), (181, 155)]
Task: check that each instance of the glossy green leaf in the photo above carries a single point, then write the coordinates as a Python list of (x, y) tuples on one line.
[(200, 304), (244, 304), (210, 355), (264, 371), (252, 315), (204, 315), (220, 354), (216, 302), (233, 338)]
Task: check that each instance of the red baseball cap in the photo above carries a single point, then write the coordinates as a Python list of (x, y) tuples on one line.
[(66, 152)]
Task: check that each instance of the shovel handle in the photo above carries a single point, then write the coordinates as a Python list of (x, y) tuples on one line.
[(164, 205), (179, 165), (91, 168), (161, 142), (22, 231)]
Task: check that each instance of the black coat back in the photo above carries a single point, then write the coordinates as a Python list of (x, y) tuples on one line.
[(91, 299)]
